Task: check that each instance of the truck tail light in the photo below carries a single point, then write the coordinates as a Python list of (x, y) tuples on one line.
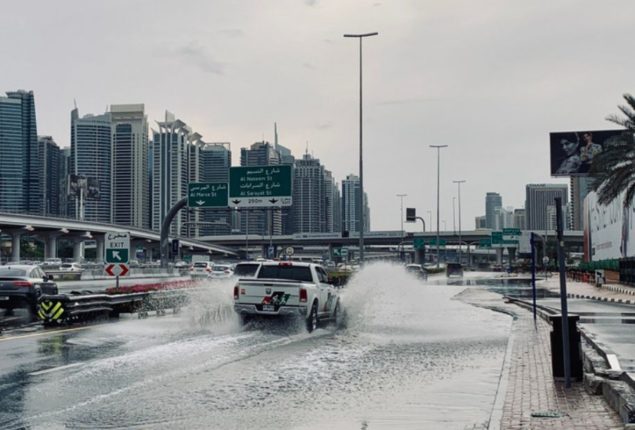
[(303, 295), (236, 292)]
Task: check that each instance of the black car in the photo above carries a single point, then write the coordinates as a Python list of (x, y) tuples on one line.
[(21, 285)]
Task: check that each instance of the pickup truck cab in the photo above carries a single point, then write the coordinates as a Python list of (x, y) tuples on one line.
[(293, 289)]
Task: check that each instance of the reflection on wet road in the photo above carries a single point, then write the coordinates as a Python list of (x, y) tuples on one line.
[(409, 357)]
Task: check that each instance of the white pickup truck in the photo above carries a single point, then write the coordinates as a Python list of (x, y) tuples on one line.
[(288, 289)]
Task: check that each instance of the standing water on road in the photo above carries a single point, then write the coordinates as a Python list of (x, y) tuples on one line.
[(409, 356)]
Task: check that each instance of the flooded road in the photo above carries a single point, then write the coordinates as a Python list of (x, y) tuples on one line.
[(409, 357)]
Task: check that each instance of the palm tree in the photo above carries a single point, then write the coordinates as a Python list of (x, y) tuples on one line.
[(613, 169)]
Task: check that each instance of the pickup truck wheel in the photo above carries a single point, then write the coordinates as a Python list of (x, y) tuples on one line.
[(312, 320)]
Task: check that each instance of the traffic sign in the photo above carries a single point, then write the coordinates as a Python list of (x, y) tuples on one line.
[(419, 243), (485, 243), (116, 269), (442, 242), (117, 255), (337, 251), (289, 251), (344, 252), (207, 195), (117, 246), (497, 239), (260, 186)]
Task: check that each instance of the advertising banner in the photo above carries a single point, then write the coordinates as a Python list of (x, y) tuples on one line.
[(609, 230), (87, 186), (572, 152)]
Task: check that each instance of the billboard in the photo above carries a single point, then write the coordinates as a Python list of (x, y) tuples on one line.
[(609, 231), (87, 186), (572, 152)]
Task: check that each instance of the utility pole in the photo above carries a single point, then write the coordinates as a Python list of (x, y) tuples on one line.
[(459, 182), (401, 196), (438, 148)]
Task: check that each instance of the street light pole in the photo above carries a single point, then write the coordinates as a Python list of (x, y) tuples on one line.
[(453, 216), (438, 148), (458, 183), (401, 196), (361, 163)]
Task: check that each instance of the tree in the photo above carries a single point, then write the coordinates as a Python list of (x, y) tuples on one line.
[(613, 169)]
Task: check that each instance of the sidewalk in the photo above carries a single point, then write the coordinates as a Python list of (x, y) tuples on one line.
[(608, 292), (529, 398)]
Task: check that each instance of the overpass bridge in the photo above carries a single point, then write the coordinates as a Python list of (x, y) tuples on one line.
[(49, 230), (377, 238)]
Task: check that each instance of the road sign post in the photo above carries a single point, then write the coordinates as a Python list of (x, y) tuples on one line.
[(207, 195), (260, 186), (117, 247)]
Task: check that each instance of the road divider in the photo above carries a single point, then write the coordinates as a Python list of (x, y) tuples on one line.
[(64, 309)]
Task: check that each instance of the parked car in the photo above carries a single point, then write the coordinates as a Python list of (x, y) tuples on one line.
[(417, 270), (52, 262), (21, 285)]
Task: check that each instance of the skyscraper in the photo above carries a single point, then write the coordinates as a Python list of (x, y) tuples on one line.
[(493, 202), (171, 171), (130, 197), (12, 161), (215, 161), (540, 205), (580, 187), (91, 156), (260, 221), (332, 205), (32, 163), (64, 171), (50, 154), (519, 218), (308, 213), (350, 205)]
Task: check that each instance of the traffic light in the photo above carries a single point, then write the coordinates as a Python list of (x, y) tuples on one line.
[(345, 233), (411, 214)]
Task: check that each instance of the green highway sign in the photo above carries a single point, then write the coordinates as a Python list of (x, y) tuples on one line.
[(419, 243), (260, 186), (344, 252), (511, 236), (117, 247), (442, 242), (337, 252), (485, 243), (497, 239), (117, 256), (207, 195)]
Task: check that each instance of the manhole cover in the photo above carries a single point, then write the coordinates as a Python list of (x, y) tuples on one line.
[(547, 414)]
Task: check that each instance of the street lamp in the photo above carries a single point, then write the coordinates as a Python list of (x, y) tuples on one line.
[(438, 147), (361, 163), (453, 216), (458, 183), (401, 196)]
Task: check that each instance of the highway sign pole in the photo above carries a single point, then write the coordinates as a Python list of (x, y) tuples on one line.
[(563, 296), (533, 275)]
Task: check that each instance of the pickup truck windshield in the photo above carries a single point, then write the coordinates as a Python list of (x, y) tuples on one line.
[(295, 273)]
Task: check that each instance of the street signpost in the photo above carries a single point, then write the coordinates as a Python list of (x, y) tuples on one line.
[(117, 247), (260, 186), (485, 243), (418, 243), (207, 195), (497, 239), (511, 237)]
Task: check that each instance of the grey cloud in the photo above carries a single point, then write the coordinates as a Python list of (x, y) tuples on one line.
[(405, 101), (324, 126), (232, 32), (197, 56), (310, 2), (309, 66)]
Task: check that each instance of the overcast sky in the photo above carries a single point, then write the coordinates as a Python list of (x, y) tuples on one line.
[(490, 79)]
